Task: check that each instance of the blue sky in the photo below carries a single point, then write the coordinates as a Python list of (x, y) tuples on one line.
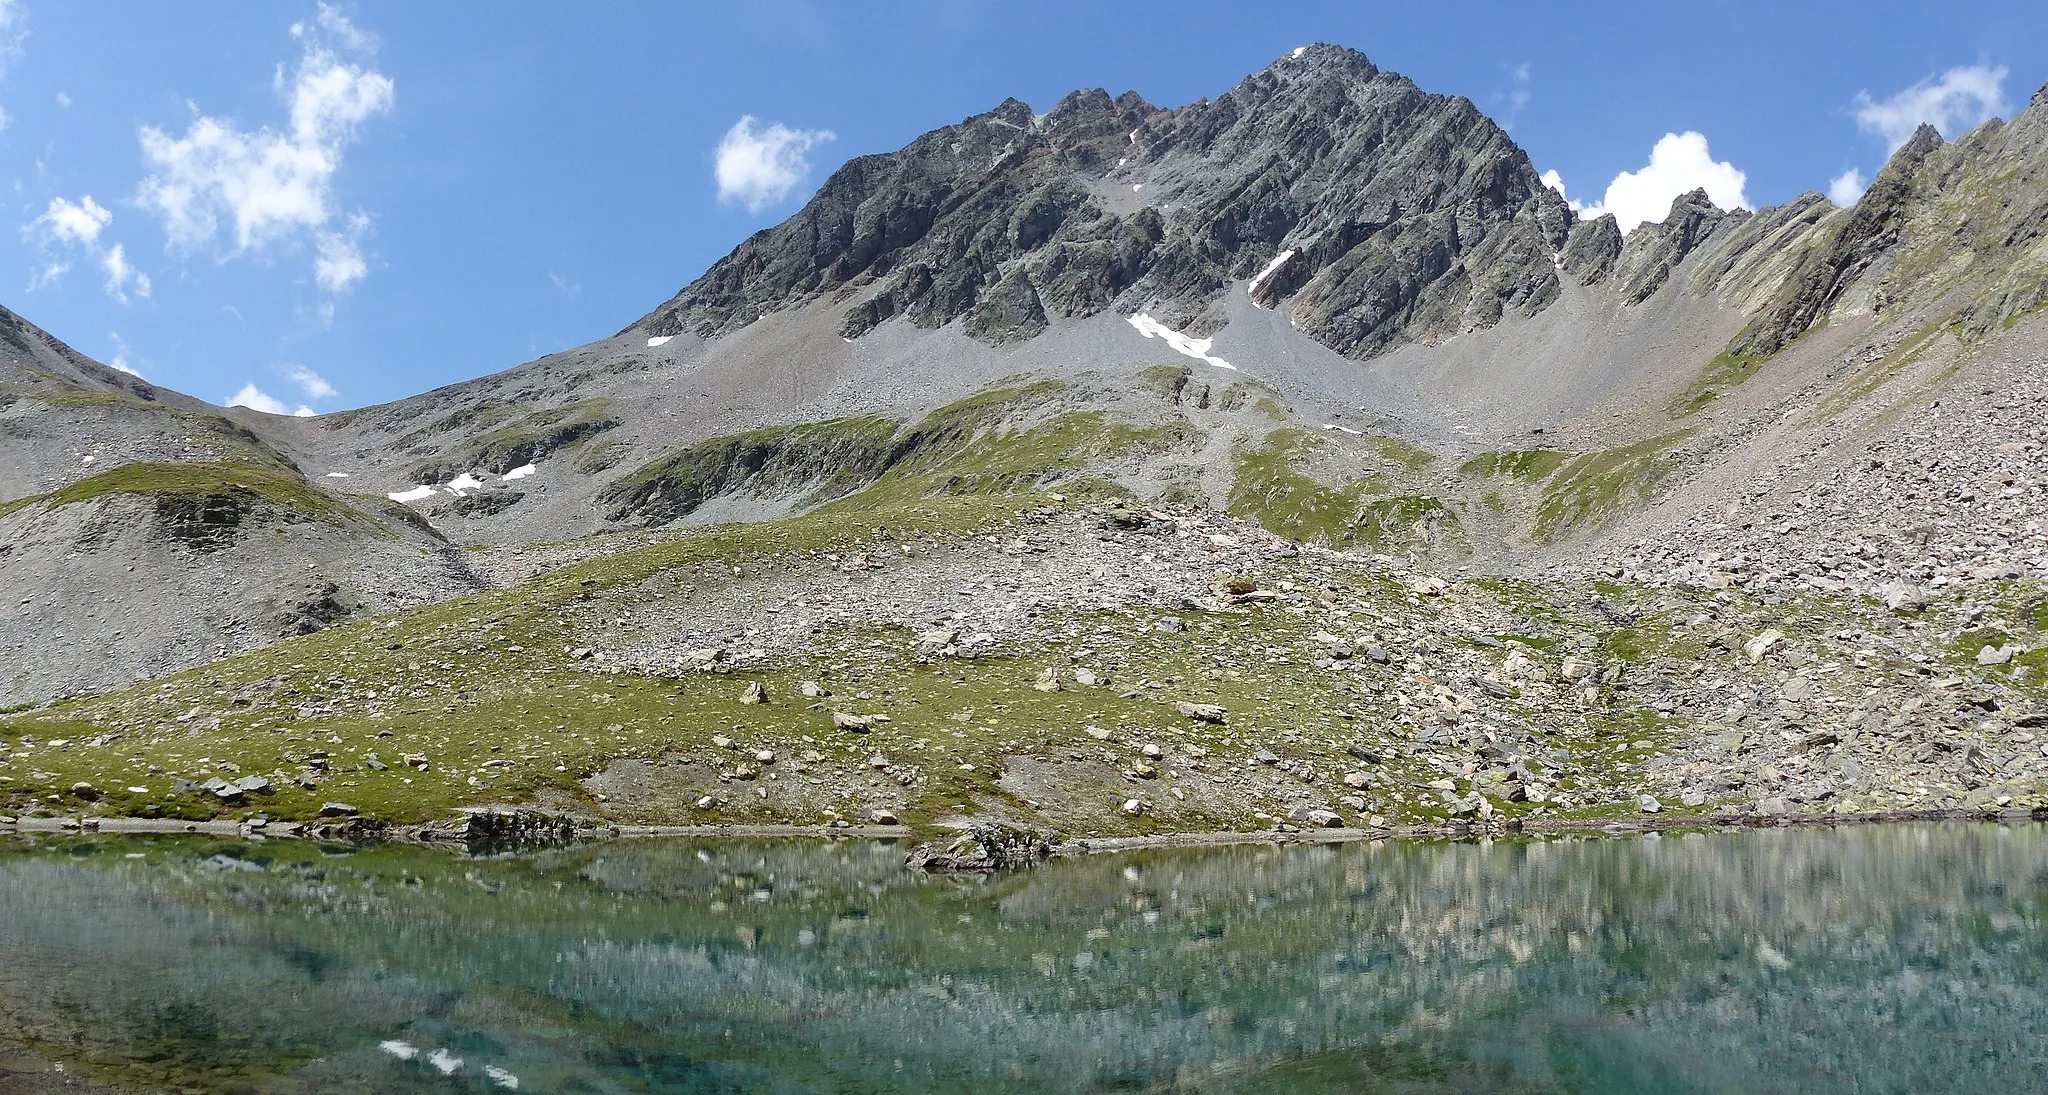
[(339, 205)]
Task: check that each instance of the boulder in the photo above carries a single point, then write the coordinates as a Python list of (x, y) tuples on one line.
[(985, 846)]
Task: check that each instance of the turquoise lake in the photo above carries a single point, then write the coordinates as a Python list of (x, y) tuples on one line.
[(1873, 959)]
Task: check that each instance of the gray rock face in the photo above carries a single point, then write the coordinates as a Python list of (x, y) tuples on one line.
[(1654, 250), (1592, 249), (1870, 232), (1409, 216)]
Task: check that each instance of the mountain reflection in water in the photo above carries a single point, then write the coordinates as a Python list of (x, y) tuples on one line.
[(1893, 959)]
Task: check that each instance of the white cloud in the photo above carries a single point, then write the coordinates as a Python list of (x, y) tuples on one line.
[(1845, 188), (275, 189), (122, 355), (566, 287), (256, 399), (78, 225), (313, 384), (63, 98), (330, 19), (1679, 163), (13, 32), (759, 167), (340, 263), (1954, 102), (121, 277)]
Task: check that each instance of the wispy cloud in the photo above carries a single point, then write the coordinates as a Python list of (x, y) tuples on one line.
[(759, 167), (313, 384), (13, 32), (76, 226), (256, 399), (563, 285), (1954, 102), (124, 356), (121, 277), (274, 188)]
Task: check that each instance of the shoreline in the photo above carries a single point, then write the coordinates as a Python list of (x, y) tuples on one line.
[(444, 835)]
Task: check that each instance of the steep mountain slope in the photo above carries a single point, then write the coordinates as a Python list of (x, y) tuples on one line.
[(143, 531)]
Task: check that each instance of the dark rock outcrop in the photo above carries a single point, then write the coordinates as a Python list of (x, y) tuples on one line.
[(983, 847), (1592, 249)]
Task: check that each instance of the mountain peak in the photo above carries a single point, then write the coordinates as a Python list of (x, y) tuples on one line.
[(1925, 139), (1409, 216), (1325, 57)]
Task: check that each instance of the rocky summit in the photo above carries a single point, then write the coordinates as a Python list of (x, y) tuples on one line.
[(1293, 460)]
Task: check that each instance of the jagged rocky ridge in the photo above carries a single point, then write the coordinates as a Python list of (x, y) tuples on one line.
[(1384, 214)]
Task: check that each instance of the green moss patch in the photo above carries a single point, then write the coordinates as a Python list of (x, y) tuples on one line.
[(1527, 465), (1411, 457), (1726, 371), (520, 442), (985, 444), (1593, 487), (1269, 490), (833, 456), (202, 491)]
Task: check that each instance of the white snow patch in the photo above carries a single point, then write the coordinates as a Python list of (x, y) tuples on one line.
[(417, 494), (464, 482), (1133, 138), (516, 474), (87, 458), (337, 475), (1298, 51), (656, 340), (1135, 187), (400, 1050), (1122, 160), (502, 1078), (1197, 348), (1343, 429), (444, 1062), (1272, 268)]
